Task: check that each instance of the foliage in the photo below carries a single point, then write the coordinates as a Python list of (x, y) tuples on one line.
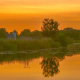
[(7, 45), (25, 32), (49, 28), (72, 33), (21, 56), (3, 33), (30, 44), (74, 46), (15, 32), (36, 34), (62, 39)]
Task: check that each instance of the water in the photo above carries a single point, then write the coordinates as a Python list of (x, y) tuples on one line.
[(40, 66)]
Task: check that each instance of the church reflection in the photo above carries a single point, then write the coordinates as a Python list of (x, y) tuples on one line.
[(26, 64)]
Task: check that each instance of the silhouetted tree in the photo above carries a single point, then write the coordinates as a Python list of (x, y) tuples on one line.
[(49, 28), (68, 29), (25, 32), (36, 33), (3, 33), (72, 33), (15, 32)]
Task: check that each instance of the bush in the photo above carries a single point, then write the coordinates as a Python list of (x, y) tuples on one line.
[(62, 39), (32, 44)]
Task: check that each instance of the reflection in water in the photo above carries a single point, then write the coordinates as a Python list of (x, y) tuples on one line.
[(26, 64), (49, 63), (50, 66)]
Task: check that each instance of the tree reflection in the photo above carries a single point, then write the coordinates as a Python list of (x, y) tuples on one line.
[(50, 66)]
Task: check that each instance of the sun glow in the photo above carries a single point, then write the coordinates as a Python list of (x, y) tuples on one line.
[(30, 13), (42, 6)]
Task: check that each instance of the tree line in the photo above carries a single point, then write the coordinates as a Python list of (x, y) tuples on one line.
[(24, 33), (48, 29)]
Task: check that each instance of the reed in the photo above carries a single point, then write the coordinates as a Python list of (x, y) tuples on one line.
[(29, 44)]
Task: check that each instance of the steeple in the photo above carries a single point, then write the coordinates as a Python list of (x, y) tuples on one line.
[(14, 33)]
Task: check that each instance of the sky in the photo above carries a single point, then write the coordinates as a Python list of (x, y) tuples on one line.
[(29, 14)]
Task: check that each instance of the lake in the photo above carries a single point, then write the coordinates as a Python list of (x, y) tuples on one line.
[(45, 65)]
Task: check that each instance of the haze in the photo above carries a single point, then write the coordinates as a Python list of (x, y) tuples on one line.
[(29, 14)]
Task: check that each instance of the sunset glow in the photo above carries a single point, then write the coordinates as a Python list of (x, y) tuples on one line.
[(13, 12)]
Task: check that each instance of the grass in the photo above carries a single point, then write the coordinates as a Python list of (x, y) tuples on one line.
[(60, 55), (30, 44), (74, 46)]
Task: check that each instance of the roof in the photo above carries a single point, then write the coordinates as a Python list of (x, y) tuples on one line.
[(10, 36)]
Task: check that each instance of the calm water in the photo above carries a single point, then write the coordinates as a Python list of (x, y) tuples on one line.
[(40, 66)]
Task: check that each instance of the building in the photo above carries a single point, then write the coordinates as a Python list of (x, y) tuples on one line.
[(11, 36)]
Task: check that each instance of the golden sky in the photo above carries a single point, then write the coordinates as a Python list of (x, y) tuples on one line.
[(22, 14)]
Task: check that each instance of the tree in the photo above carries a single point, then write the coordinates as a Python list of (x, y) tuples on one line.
[(25, 32), (36, 33), (3, 33), (62, 39), (49, 28), (72, 33), (68, 29), (14, 31)]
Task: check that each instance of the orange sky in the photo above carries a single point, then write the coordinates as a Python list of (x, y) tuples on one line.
[(29, 14)]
